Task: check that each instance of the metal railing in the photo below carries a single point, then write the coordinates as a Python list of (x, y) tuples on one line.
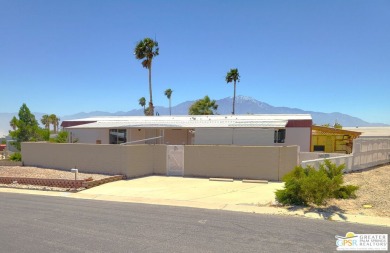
[(143, 140)]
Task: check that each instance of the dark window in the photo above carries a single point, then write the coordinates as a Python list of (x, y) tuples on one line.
[(280, 136), (117, 136), (319, 148)]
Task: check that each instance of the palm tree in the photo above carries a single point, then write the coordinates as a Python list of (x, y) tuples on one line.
[(168, 93), (145, 50), (146, 111), (233, 76), (57, 122), (14, 123), (203, 106), (46, 121), (142, 102), (54, 120)]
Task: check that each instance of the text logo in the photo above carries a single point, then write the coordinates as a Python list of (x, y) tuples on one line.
[(352, 241)]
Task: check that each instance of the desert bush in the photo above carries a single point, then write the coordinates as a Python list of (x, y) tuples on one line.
[(62, 137), (17, 157), (292, 192), (305, 186), (347, 192)]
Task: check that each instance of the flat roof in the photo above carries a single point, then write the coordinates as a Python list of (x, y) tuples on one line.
[(371, 131), (189, 121)]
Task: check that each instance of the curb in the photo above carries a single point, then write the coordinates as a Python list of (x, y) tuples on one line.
[(221, 179), (255, 181)]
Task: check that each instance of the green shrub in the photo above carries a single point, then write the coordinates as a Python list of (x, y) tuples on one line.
[(292, 192), (305, 186), (316, 187), (17, 157), (347, 192), (62, 137)]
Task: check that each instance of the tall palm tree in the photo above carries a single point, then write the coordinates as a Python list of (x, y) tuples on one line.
[(233, 76), (14, 123), (168, 93), (204, 106), (54, 120), (142, 102), (57, 122), (46, 121), (146, 50)]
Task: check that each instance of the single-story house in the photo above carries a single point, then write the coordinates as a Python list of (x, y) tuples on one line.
[(246, 130)]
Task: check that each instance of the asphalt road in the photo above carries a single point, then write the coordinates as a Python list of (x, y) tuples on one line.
[(56, 224)]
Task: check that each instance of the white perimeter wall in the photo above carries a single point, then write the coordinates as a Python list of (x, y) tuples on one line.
[(367, 152), (229, 161), (90, 135), (306, 156), (237, 136)]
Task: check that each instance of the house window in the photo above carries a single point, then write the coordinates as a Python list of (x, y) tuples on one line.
[(280, 136), (117, 136), (318, 148)]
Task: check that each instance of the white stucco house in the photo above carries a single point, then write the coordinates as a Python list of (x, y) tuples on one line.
[(246, 130)]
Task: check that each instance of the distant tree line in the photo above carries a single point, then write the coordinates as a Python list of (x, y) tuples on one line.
[(25, 128)]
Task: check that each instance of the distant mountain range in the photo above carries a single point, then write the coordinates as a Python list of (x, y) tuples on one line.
[(244, 105)]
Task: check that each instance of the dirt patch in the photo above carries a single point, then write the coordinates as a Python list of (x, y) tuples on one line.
[(374, 190), (34, 172)]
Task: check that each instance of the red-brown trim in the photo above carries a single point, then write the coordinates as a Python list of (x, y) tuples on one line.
[(75, 123), (299, 123)]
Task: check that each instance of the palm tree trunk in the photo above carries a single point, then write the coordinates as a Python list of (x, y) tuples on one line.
[(151, 108), (170, 112), (234, 97)]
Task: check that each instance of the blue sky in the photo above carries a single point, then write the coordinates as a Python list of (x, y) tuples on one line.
[(65, 57)]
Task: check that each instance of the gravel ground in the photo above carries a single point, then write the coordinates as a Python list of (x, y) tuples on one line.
[(374, 190), (34, 172)]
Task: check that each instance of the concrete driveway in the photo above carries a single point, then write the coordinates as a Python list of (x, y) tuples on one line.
[(201, 193), (191, 192)]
